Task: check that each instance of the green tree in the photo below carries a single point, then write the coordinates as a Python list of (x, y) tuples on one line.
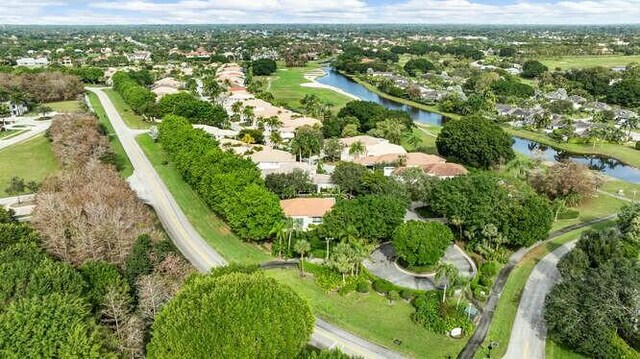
[(253, 212), (302, 247), (421, 243), (475, 142), (446, 274), (348, 176), (15, 187), (307, 142), (289, 185), (332, 149), (51, 326), (421, 65), (533, 68), (357, 149), (239, 316), (263, 67)]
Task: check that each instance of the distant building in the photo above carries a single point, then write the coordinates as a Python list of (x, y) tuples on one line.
[(33, 62), (139, 56), (15, 109)]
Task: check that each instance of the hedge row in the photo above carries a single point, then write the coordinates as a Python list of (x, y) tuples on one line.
[(135, 95), (230, 185)]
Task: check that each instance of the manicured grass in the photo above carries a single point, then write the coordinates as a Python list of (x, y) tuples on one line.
[(5, 135), (285, 87), (60, 106), (130, 118), (31, 160), (614, 186), (372, 317), (556, 351), (210, 227), (127, 167), (624, 153), (580, 62), (500, 328), (599, 206), (427, 142)]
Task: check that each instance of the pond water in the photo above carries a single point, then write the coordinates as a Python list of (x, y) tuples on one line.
[(606, 165)]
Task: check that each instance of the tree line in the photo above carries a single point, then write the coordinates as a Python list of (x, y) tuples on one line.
[(39, 87), (230, 185)]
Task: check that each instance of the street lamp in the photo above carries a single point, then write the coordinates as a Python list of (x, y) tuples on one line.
[(328, 239)]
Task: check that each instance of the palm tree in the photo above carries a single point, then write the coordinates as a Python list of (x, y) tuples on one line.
[(357, 149), (301, 247), (414, 140), (280, 230), (447, 274), (249, 115), (236, 107)]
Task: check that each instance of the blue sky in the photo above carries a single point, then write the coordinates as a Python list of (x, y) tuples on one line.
[(319, 11)]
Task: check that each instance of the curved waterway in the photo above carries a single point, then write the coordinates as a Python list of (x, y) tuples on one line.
[(609, 166)]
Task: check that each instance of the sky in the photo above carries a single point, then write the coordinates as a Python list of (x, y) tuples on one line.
[(70, 12)]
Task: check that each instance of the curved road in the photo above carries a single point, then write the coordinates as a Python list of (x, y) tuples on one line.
[(150, 187)]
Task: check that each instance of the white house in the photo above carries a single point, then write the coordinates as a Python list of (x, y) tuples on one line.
[(306, 211), (15, 109), (217, 133), (269, 158), (32, 62), (373, 146), (139, 56)]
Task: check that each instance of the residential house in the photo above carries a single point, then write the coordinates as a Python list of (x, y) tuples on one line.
[(559, 94), (373, 146), (15, 109), (217, 133), (444, 170), (165, 86), (394, 160), (139, 56), (306, 211), (271, 159), (32, 62)]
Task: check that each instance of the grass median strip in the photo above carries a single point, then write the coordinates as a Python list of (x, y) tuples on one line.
[(210, 227)]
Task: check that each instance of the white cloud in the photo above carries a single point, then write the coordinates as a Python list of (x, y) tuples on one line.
[(317, 11)]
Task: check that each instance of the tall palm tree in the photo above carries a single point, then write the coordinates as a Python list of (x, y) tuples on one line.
[(281, 231), (249, 115), (357, 149), (302, 247), (447, 274)]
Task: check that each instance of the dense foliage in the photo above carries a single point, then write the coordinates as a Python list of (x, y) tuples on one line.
[(475, 142), (197, 111), (289, 185), (369, 114), (238, 315), (374, 217), (133, 93), (263, 67), (230, 185), (40, 87), (439, 317), (490, 212), (533, 68), (421, 243), (567, 181), (594, 308), (420, 65)]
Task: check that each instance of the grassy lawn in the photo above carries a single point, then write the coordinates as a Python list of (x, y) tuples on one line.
[(4, 135), (427, 141), (285, 87), (614, 186), (624, 153), (599, 206), (60, 106), (580, 62), (130, 118), (556, 351), (500, 328), (210, 227), (127, 167), (372, 317), (31, 160)]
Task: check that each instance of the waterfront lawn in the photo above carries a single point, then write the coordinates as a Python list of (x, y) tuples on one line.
[(285, 85), (130, 118), (625, 153), (613, 186), (427, 141), (581, 62), (371, 317), (504, 315), (31, 160), (126, 168), (210, 227)]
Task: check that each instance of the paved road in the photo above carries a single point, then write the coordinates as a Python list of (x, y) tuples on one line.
[(529, 333), (151, 188), (480, 334), (33, 128)]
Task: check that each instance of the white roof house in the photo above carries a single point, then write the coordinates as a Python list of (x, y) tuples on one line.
[(217, 133), (269, 158), (33, 62), (374, 146)]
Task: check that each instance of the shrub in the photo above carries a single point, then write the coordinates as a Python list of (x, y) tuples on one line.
[(569, 214), (239, 316), (382, 286), (638, 145), (393, 296), (363, 287), (439, 317), (421, 243), (406, 294)]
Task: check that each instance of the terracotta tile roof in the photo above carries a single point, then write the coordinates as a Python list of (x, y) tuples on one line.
[(445, 169), (306, 207), (412, 159)]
